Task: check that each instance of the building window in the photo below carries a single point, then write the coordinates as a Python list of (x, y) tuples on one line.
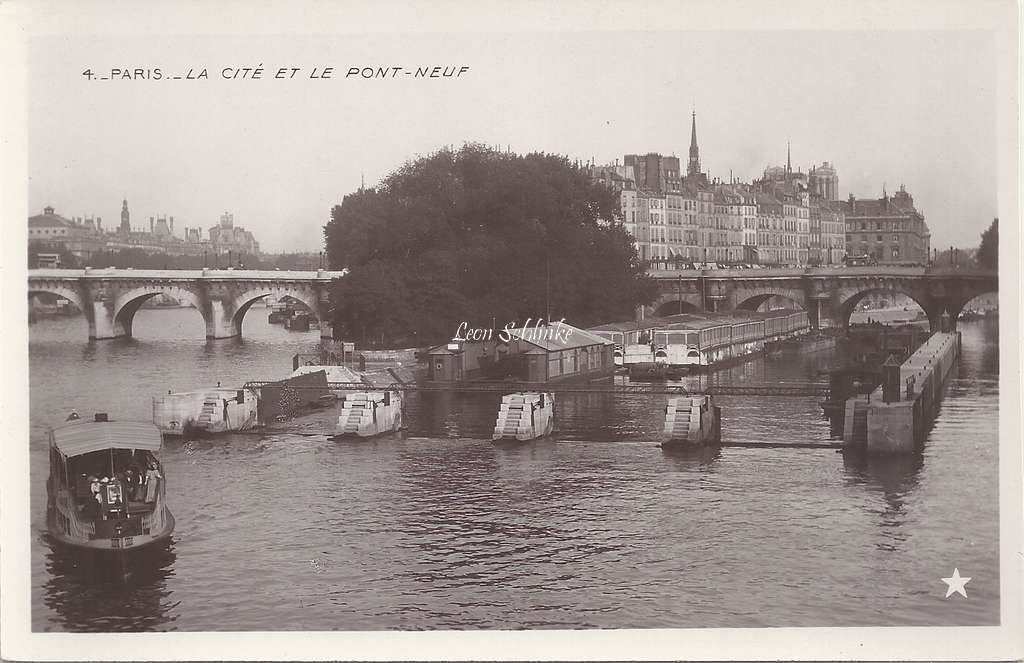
[(895, 238), (878, 238)]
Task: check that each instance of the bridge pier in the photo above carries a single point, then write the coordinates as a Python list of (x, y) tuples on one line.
[(104, 324), (222, 320)]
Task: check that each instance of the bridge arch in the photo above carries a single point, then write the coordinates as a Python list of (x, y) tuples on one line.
[(757, 301), (59, 290), (751, 297), (675, 306), (127, 304), (850, 298), (70, 294), (241, 304), (958, 306)]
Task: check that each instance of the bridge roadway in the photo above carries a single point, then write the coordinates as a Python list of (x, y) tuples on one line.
[(749, 389), (828, 294)]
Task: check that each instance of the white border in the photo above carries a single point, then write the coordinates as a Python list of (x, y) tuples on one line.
[(21, 19)]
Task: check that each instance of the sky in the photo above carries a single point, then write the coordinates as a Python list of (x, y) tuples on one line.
[(885, 107)]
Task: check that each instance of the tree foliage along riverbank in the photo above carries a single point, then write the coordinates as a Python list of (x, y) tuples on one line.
[(482, 237), (988, 250)]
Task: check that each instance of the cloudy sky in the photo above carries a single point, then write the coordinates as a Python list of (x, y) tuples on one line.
[(886, 107)]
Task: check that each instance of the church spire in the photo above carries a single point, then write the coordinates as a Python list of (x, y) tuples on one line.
[(789, 166), (693, 167)]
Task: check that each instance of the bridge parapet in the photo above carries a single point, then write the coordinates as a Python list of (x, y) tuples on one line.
[(187, 274)]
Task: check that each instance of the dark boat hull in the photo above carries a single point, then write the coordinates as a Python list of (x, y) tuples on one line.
[(105, 547)]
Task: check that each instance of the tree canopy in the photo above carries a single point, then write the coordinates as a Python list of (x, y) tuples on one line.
[(988, 251), (484, 237)]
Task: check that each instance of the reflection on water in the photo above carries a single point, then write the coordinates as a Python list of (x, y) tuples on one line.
[(894, 476), (132, 596), (594, 527)]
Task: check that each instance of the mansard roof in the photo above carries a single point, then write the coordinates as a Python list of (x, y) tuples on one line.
[(50, 220)]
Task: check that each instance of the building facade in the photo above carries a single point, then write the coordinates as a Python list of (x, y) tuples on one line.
[(887, 229), (787, 217)]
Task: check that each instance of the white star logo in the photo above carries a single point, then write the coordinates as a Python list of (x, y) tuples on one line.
[(956, 584)]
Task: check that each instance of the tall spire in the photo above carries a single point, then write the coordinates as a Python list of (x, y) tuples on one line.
[(789, 167), (125, 218), (693, 167)]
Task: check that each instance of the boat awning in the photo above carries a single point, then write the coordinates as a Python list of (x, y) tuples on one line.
[(82, 437)]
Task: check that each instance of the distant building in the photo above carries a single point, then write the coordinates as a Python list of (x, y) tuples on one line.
[(84, 237), (824, 182), (79, 237), (889, 229), (653, 172), (226, 237)]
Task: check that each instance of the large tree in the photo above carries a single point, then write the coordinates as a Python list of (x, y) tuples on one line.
[(484, 237), (988, 251)]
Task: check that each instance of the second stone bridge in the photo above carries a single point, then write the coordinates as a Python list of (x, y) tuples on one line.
[(829, 295)]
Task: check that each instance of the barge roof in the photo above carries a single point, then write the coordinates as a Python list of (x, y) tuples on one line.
[(85, 436)]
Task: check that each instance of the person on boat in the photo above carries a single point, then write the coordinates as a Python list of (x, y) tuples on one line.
[(139, 491), (102, 497), (131, 483), (93, 504), (152, 482), (73, 415)]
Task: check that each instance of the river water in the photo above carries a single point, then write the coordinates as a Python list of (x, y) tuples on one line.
[(595, 527)]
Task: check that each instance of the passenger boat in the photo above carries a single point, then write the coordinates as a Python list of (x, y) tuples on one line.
[(692, 420), (369, 413), (525, 416), (106, 492)]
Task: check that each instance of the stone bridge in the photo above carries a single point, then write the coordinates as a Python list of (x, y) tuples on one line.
[(829, 295), (110, 298)]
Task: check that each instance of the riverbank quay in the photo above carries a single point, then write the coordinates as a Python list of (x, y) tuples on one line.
[(863, 349), (895, 417)]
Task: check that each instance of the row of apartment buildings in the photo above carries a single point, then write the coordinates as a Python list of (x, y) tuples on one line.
[(786, 217), (84, 236)]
